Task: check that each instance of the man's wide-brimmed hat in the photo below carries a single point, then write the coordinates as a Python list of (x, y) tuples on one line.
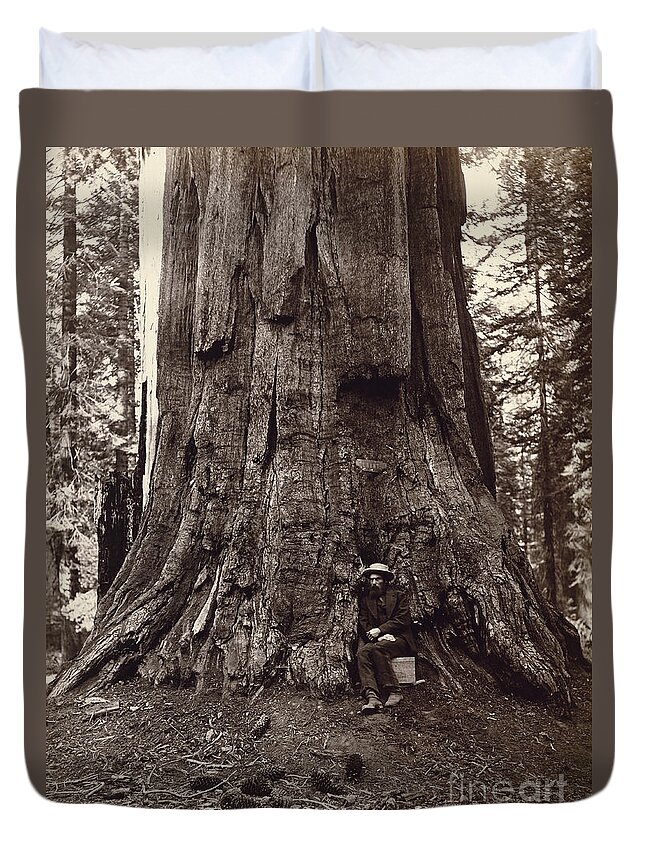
[(379, 568)]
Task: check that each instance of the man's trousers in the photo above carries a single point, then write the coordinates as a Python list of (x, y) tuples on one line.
[(375, 665)]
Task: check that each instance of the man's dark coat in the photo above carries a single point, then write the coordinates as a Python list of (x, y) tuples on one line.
[(398, 621)]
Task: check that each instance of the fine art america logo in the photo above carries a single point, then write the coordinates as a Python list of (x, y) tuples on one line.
[(464, 790)]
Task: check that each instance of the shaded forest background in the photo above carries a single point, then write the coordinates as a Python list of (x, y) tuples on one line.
[(527, 254)]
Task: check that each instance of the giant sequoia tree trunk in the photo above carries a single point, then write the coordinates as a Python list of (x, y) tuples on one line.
[(319, 404)]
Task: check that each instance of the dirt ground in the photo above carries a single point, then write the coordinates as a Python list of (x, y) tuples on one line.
[(161, 747)]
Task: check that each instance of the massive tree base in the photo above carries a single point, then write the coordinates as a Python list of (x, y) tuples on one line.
[(320, 408)]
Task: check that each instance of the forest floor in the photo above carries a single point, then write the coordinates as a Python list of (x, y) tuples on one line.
[(162, 747)]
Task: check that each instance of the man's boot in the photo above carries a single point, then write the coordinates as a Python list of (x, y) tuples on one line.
[(393, 699), (373, 704)]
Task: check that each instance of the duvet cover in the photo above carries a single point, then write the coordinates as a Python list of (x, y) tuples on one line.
[(309, 400)]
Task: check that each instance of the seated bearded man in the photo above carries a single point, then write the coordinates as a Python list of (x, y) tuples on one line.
[(384, 632)]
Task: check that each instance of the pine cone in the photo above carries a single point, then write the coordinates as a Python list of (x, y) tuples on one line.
[(115, 794), (273, 772), (325, 782), (203, 783), (280, 802), (257, 786), (234, 799), (261, 726), (354, 767)]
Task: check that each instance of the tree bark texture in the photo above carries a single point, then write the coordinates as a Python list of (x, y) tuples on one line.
[(319, 405)]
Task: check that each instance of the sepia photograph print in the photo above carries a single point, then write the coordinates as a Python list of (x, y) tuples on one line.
[(319, 476)]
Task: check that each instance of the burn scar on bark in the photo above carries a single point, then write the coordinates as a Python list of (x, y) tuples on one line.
[(272, 426)]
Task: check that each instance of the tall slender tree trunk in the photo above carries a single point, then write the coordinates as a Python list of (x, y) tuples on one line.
[(562, 444), (526, 537), (117, 501), (319, 406), (545, 455), (53, 633), (62, 586), (69, 350), (544, 465), (63, 554), (125, 407), (140, 467), (152, 168)]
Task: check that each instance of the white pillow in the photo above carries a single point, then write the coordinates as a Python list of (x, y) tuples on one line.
[(285, 62), (565, 62)]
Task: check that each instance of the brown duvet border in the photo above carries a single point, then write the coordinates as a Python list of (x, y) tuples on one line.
[(261, 118)]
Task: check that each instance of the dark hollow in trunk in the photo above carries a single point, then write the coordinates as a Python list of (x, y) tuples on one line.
[(113, 527), (120, 506), (319, 404)]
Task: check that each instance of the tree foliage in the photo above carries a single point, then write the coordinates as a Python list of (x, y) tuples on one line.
[(103, 185), (528, 250)]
